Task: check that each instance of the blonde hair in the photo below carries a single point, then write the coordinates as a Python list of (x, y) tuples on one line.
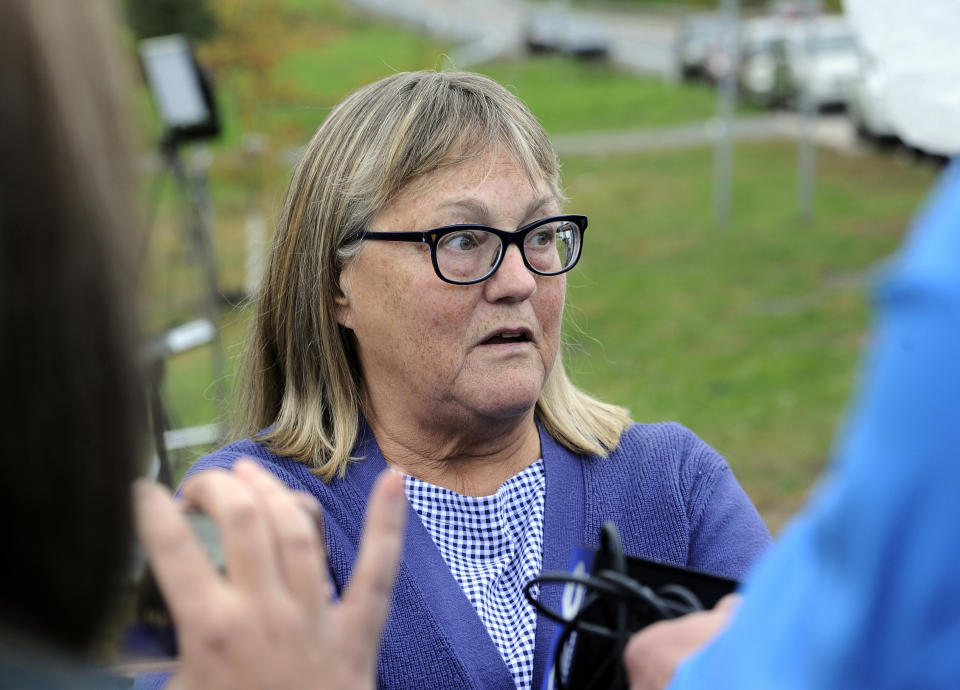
[(300, 388)]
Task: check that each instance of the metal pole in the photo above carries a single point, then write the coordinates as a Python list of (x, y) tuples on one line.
[(255, 224), (726, 109), (197, 226), (806, 146)]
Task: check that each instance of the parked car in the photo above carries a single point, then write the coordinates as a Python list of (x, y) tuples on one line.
[(542, 31), (759, 37), (699, 36), (823, 61), (915, 105), (763, 76), (867, 105), (585, 40), (559, 31)]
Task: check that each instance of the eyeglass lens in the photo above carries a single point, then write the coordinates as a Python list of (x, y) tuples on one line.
[(471, 254)]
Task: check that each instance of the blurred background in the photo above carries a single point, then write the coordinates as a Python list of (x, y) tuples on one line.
[(742, 170)]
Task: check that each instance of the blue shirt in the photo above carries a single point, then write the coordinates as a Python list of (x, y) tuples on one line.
[(864, 589)]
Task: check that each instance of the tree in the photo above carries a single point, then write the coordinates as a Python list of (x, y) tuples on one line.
[(245, 52), (149, 18)]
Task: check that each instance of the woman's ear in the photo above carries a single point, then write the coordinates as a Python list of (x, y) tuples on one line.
[(342, 298)]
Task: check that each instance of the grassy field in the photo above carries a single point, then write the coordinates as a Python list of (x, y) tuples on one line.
[(573, 96), (750, 337)]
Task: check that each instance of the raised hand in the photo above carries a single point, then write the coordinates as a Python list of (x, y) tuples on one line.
[(269, 621)]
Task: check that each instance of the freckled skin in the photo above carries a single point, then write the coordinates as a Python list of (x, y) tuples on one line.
[(445, 407)]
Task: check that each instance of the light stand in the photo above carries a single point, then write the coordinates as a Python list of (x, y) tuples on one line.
[(185, 103)]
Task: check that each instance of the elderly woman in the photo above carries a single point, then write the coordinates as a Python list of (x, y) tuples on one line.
[(410, 318)]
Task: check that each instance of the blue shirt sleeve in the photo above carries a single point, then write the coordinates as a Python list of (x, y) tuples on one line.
[(864, 589)]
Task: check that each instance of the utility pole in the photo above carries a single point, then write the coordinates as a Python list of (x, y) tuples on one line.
[(806, 146), (726, 110)]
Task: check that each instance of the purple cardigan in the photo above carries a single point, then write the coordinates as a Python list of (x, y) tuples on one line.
[(673, 498)]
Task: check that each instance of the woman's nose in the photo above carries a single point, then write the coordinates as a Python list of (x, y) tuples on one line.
[(512, 281)]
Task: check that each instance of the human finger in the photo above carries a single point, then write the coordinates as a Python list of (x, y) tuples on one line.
[(296, 536), (184, 573), (367, 596), (729, 604), (650, 656), (309, 504), (653, 654), (242, 526)]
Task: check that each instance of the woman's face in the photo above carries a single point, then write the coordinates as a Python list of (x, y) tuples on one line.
[(433, 353)]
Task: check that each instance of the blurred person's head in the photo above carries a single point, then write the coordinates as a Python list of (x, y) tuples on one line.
[(71, 402), (308, 373)]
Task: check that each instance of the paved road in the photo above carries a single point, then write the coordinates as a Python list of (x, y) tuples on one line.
[(830, 131), (639, 43)]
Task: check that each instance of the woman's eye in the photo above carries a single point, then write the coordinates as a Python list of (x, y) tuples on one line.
[(461, 241), (543, 237)]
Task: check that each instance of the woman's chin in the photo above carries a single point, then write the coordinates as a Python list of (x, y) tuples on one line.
[(507, 402)]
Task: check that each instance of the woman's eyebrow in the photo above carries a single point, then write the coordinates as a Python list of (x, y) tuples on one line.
[(473, 206), (538, 204), (481, 213)]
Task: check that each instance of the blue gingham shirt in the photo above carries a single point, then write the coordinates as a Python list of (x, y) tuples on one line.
[(493, 546)]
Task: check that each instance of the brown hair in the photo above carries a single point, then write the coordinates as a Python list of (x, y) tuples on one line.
[(71, 398), (299, 386)]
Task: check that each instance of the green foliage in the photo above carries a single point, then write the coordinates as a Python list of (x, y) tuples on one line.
[(286, 88), (161, 17)]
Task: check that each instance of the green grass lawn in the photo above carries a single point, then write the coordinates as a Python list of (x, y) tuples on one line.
[(750, 337), (574, 96)]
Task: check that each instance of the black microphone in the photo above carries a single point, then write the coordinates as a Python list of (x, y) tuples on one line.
[(607, 596)]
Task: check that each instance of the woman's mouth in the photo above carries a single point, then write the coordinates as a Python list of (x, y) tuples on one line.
[(508, 337)]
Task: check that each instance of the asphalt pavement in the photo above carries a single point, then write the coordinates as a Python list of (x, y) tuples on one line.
[(829, 131), (641, 43)]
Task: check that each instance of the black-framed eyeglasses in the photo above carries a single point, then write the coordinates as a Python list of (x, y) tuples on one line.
[(467, 254)]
